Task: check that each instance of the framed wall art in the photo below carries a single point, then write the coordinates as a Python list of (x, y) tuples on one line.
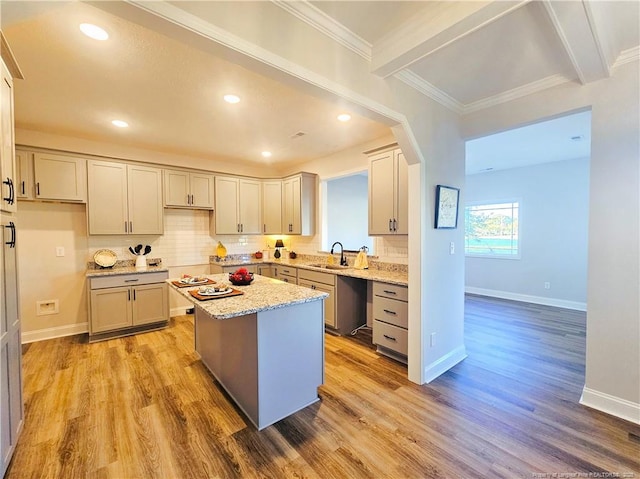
[(447, 207)]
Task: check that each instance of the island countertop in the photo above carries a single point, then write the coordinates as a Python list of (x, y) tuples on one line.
[(261, 295)]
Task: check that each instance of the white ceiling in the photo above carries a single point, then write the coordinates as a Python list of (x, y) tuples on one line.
[(466, 55)]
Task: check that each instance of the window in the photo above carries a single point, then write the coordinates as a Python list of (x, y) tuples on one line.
[(492, 230)]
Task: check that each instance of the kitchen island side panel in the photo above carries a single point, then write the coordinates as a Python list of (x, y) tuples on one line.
[(291, 359), (228, 348)]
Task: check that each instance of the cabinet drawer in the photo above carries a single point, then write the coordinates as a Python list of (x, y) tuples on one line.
[(394, 291), (391, 311), (390, 337), (132, 279), (287, 271), (317, 277), (287, 279)]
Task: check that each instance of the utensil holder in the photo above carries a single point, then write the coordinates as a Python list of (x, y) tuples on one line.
[(141, 262)]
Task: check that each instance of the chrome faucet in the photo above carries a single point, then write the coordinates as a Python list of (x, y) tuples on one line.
[(343, 260)]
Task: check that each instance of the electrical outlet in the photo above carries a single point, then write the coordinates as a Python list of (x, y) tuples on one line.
[(47, 306), (432, 340), (547, 285), (452, 248), (59, 250)]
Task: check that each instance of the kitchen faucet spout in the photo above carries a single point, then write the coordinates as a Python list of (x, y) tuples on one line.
[(343, 260)]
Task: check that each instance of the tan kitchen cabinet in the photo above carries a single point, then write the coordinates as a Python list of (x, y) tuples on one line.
[(218, 268), (285, 273), (122, 304), (345, 308), (391, 320), (8, 188), (388, 196), (265, 270), (237, 206), (52, 177), (272, 207), (299, 204), (124, 199), (188, 189)]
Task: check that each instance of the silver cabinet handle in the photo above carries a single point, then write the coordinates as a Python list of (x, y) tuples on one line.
[(389, 338)]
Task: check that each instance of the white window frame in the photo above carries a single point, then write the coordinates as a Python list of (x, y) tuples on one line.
[(502, 201)]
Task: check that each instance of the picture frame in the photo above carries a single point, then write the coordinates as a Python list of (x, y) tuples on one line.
[(447, 198)]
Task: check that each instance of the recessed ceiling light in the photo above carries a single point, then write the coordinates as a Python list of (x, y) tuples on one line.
[(120, 123), (93, 31), (231, 98), (266, 154), (344, 117)]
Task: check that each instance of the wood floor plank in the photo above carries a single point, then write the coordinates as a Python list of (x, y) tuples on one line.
[(146, 407)]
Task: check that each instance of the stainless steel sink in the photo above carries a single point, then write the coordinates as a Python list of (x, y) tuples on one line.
[(328, 266)]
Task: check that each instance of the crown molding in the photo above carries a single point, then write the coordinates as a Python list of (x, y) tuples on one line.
[(316, 18), (627, 56), (519, 92), (426, 88)]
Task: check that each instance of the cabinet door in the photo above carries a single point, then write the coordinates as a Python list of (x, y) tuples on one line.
[(226, 214), (111, 309), (249, 203), (60, 177), (107, 195), (145, 200), (176, 188), (150, 303), (329, 302), (24, 175), (7, 153), (202, 190), (291, 209), (402, 195), (381, 194), (265, 271), (272, 207)]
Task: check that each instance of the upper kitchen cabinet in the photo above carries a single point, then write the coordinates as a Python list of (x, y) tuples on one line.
[(299, 204), (45, 176), (237, 206), (7, 154), (388, 196), (188, 189), (272, 207), (124, 199)]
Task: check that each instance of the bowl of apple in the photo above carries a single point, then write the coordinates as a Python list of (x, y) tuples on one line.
[(241, 277)]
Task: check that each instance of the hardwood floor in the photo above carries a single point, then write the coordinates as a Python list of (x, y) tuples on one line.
[(145, 407)]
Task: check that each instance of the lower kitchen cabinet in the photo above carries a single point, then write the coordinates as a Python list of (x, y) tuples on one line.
[(128, 303), (391, 320), (218, 268), (265, 270), (345, 308), (286, 274)]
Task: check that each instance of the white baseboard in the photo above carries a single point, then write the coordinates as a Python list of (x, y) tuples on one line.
[(526, 298), (57, 332), (613, 405), (443, 364)]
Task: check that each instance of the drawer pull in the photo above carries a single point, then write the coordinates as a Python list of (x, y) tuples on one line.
[(131, 280), (390, 292), (390, 312), (390, 338)]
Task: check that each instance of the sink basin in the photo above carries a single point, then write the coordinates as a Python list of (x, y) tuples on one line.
[(328, 266)]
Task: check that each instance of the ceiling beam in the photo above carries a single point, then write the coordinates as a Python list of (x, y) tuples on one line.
[(574, 25), (432, 29)]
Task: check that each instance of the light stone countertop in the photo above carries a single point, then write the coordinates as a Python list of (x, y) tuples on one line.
[(118, 270), (261, 295), (400, 278)]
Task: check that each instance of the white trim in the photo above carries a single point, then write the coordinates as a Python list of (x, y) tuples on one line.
[(426, 88), (443, 364), (514, 93), (627, 56), (56, 332), (316, 18), (627, 410), (526, 298)]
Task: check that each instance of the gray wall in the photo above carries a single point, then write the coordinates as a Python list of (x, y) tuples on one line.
[(347, 212), (554, 214)]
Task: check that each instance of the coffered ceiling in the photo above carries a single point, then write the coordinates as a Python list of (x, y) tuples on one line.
[(465, 55)]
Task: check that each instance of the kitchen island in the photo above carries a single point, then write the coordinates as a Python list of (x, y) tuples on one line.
[(265, 347)]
